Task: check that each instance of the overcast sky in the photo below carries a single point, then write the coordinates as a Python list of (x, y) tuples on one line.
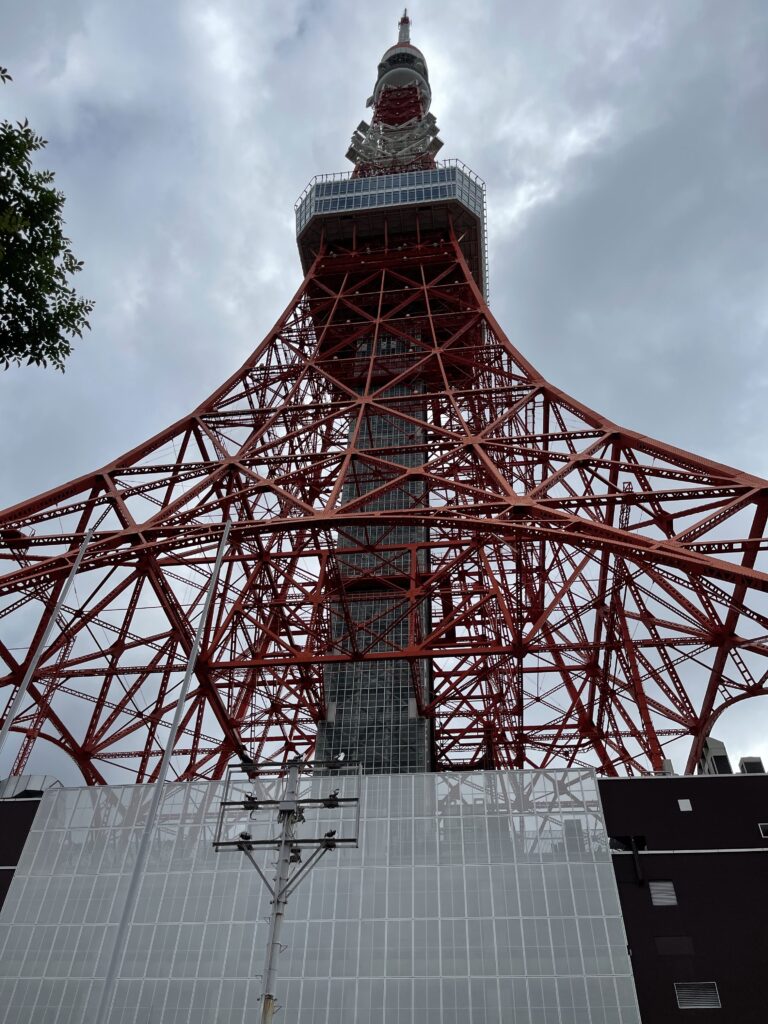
[(624, 146)]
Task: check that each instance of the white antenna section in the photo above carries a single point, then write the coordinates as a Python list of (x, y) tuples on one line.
[(404, 25)]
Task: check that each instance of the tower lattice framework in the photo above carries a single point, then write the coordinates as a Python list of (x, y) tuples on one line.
[(411, 501)]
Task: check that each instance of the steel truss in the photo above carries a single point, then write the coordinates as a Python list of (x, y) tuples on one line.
[(589, 595)]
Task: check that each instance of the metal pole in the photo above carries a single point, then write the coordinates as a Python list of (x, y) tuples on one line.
[(107, 992), (287, 817), (31, 668)]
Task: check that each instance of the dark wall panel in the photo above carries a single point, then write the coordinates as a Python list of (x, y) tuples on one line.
[(16, 817), (726, 811), (717, 932), (5, 884), (721, 913)]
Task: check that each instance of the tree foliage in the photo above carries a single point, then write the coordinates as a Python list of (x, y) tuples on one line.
[(40, 313)]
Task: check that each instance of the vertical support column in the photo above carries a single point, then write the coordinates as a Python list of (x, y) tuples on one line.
[(32, 667), (107, 992)]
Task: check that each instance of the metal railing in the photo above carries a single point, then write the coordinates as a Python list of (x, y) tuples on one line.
[(449, 179)]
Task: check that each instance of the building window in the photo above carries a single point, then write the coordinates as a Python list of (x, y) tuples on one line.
[(763, 826), (697, 995), (685, 805), (674, 945), (663, 894)]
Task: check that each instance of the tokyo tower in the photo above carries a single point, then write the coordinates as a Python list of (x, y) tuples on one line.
[(417, 551)]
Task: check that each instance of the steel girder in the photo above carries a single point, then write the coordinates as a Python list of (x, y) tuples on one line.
[(589, 596)]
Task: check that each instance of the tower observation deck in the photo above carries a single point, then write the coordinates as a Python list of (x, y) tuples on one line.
[(387, 535)]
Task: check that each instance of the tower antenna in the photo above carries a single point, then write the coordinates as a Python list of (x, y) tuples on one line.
[(404, 26)]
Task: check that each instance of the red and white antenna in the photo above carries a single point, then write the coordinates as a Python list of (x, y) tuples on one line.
[(402, 135)]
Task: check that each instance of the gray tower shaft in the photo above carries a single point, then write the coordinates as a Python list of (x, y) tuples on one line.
[(372, 709)]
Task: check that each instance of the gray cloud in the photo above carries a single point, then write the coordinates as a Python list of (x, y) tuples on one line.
[(623, 144)]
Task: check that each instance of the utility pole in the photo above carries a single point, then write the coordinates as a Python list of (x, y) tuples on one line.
[(289, 814), (242, 801)]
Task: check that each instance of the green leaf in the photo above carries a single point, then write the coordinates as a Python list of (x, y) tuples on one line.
[(39, 310)]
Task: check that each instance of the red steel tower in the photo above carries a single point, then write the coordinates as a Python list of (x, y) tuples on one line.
[(436, 558)]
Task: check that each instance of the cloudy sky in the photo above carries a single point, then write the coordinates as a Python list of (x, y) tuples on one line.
[(624, 145)]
